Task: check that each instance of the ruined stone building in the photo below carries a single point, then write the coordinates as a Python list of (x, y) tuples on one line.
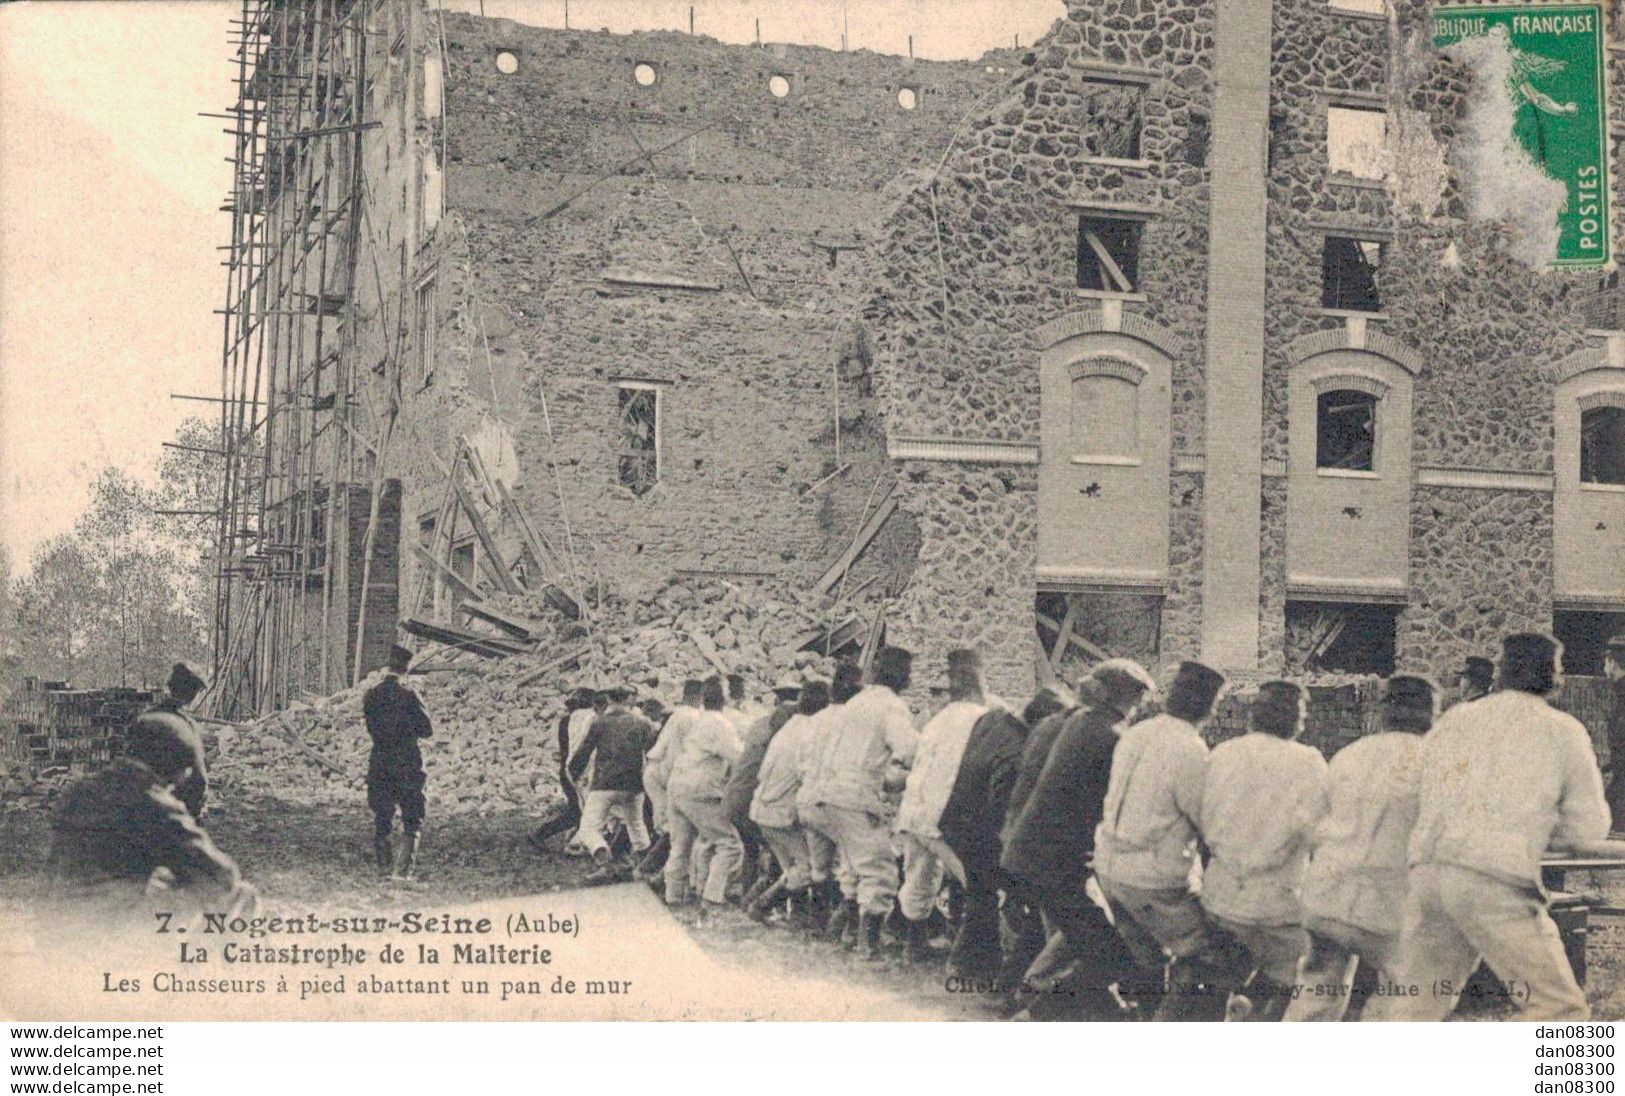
[(1184, 332)]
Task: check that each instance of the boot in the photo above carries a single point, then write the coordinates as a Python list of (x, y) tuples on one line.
[(914, 946), (383, 852), (804, 907), (869, 928), (654, 860), (763, 884), (408, 858), (844, 917), (758, 907)]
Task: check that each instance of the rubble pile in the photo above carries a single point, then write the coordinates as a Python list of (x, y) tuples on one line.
[(494, 746)]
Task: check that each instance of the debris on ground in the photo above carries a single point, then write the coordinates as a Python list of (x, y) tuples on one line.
[(494, 743)]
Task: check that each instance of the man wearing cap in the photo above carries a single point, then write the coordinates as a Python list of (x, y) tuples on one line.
[(773, 810), (936, 763), (123, 830), (1051, 845), (657, 773), (741, 786), (870, 746), (1502, 780), (1353, 890), (167, 719), (1477, 675), (395, 722), (833, 877), (1258, 841), (1146, 845), (616, 741), (1613, 668)]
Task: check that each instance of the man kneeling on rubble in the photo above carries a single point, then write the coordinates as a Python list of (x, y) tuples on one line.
[(123, 844), (618, 739)]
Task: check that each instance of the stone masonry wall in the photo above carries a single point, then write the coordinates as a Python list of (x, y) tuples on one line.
[(565, 182), (1483, 325), (976, 259)]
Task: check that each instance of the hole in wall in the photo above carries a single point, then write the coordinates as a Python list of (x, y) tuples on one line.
[(644, 74), (778, 87), (507, 62)]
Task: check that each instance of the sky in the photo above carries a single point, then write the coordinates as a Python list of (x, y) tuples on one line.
[(110, 187)]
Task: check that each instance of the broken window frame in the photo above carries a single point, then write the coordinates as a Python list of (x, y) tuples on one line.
[(1344, 163), (1114, 281), (628, 457), (1600, 417), (1128, 81), (1339, 618), (1355, 397), (1345, 294)]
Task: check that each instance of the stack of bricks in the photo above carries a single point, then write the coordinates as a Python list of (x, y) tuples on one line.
[(46, 724)]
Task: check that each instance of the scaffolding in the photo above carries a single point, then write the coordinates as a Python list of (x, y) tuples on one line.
[(294, 415)]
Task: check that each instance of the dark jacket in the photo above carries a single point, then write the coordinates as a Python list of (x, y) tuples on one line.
[(620, 737), (741, 786), (166, 718), (1034, 752), (977, 804), (116, 827), (395, 721), (1054, 836)]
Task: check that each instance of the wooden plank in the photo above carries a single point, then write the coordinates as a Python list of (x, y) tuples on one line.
[(1109, 264), (486, 646), (546, 562), (447, 573), (1063, 635), (493, 558), (511, 623), (866, 534), (871, 642), (563, 662), (1047, 677)]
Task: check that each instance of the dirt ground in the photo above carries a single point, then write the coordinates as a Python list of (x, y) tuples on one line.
[(319, 859)]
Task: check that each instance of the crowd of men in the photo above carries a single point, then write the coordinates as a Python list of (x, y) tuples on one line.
[(1087, 853), (1090, 855)]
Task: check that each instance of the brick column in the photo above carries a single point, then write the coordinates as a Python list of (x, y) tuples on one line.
[(1235, 334)]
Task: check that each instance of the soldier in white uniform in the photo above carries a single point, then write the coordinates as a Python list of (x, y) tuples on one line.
[(1503, 779)]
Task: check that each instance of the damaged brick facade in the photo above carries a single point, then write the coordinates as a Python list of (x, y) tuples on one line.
[(775, 266)]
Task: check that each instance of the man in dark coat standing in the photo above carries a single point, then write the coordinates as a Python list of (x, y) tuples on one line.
[(1051, 844), (969, 827), (395, 721), (166, 721)]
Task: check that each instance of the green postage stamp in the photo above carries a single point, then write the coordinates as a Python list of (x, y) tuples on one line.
[(1559, 103)]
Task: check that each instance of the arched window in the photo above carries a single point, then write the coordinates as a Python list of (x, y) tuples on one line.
[(1105, 403), (1346, 430), (1602, 444)]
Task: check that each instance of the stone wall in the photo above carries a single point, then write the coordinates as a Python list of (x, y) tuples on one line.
[(973, 585), (1481, 566), (578, 200), (981, 255)]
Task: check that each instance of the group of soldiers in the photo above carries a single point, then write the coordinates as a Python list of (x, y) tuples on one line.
[(1086, 853), (1090, 855)]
